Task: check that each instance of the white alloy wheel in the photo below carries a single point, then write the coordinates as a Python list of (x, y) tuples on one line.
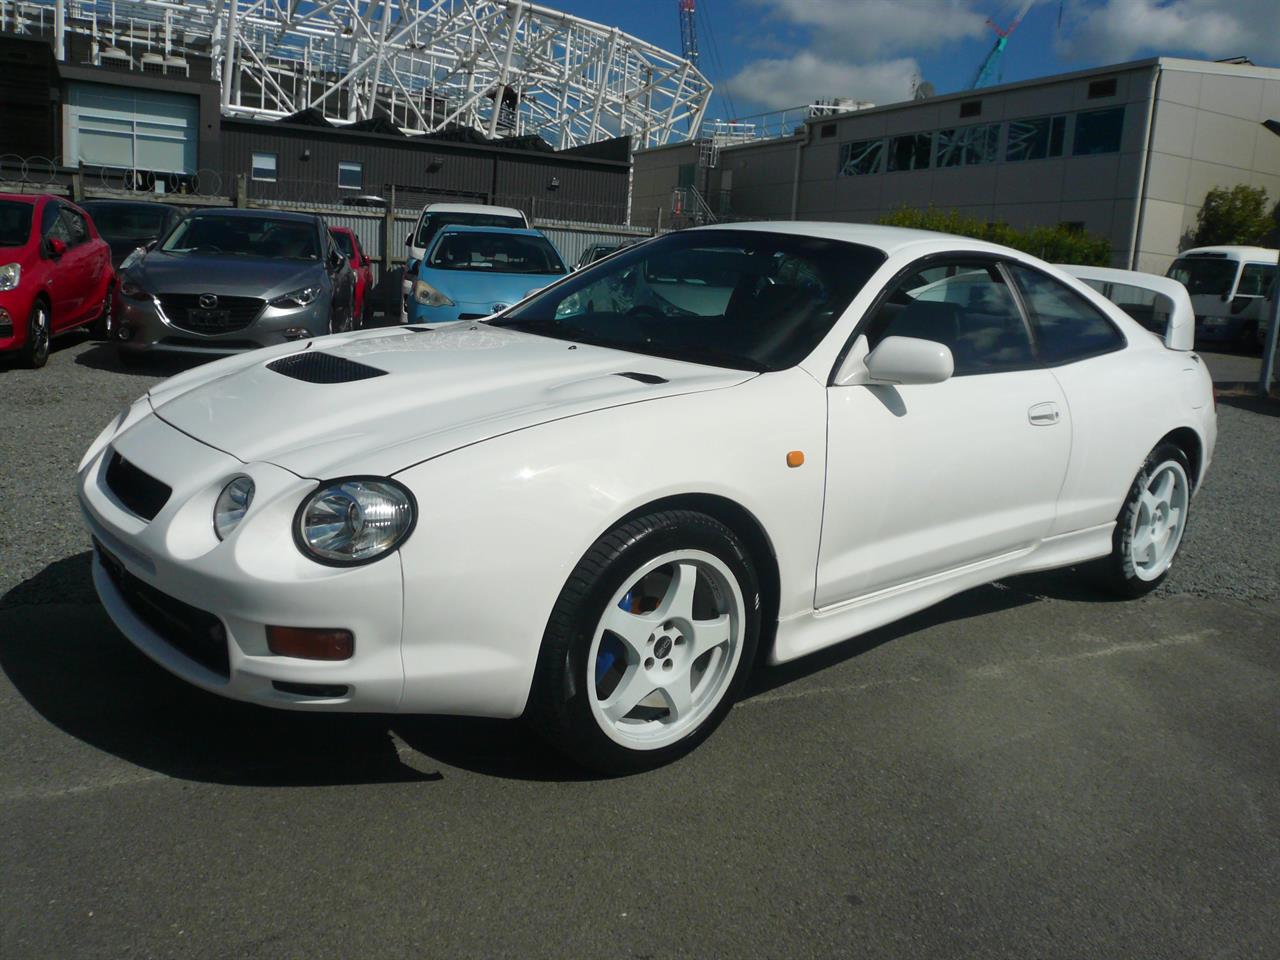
[(1159, 520), (666, 650)]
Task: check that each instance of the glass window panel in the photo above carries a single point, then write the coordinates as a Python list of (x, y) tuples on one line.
[(910, 152), (966, 146), (861, 157), (1035, 139), (1256, 280), (350, 175), (1098, 131), (1067, 326), (264, 167)]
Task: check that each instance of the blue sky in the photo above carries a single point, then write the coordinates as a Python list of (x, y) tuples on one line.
[(775, 53)]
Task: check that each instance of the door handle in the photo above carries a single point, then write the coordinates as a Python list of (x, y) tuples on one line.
[(1044, 414)]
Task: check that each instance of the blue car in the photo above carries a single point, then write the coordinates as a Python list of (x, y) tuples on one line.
[(473, 272)]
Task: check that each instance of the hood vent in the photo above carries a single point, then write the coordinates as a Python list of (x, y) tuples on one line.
[(314, 366), (643, 377)]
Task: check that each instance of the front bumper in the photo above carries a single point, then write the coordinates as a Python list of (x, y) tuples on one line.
[(143, 327), (231, 590), (15, 310)]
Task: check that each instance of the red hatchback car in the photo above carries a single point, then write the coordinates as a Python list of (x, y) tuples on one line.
[(55, 273), (349, 244)]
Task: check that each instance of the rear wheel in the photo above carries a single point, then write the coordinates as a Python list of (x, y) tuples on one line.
[(648, 644), (1151, 523), (35, 352)]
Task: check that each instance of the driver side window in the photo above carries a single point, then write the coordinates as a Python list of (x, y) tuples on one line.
[(965, 305), (52, 226)]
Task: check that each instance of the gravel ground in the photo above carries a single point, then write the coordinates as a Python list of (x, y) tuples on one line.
[(1229, 550)]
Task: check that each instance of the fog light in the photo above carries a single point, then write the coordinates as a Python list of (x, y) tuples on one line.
[(311, 643), (6, 323), (297, 333), (125, 331)]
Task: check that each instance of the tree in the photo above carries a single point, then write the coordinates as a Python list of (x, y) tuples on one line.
[(1236, 215)]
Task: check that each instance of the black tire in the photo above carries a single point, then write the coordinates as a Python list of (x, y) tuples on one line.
[(1119, 568), (35, 352), (104, 326), (558, 706)]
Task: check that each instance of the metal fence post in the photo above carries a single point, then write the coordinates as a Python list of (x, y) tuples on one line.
[(242, 191), (1269, 348)]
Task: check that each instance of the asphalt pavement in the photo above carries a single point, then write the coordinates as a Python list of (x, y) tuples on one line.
[(1026, 770)]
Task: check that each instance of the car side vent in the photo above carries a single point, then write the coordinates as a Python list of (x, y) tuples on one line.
[(142, 494), (644, 377), (315, 366)]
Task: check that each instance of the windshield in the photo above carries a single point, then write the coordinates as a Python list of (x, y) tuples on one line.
[(748, 300), (117, 222), (496, 253), (343, 240), (15, 223), (1204, 276), (244, 236), (432, 222)]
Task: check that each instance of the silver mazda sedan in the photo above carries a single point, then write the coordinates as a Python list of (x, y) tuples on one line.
[(223, 281)]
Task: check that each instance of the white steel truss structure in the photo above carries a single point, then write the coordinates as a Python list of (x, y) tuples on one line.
[(502, 67)]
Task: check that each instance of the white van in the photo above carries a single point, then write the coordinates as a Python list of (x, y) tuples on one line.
[(1231, 289), (437, 215)]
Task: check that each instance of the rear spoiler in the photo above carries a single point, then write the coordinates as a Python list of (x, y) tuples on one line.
[(1160, 304)]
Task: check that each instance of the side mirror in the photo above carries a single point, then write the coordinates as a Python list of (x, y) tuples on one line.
[(900, 361), (336, 260), (408, 241), (54, 248)]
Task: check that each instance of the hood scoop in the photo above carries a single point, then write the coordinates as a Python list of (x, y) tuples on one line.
[(319, 367), (650, 378)]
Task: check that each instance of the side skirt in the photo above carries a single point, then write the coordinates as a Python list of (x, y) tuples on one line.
[(829, 625)]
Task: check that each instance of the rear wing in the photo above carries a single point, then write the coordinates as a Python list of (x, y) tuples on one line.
[(1160, 304)]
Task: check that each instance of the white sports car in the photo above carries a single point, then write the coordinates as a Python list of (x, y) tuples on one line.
[(598, 508)]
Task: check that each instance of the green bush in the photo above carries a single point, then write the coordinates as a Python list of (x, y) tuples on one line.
[(1055, 244), (1236, 215)]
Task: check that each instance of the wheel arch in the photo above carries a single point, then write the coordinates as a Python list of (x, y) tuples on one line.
[(747, 526), (1188, 441)]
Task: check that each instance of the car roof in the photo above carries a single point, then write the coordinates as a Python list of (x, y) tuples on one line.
[(30, 198), (472, 208), (266, 214), (889, 239), (342, 230), (89, 204), (1242, 252), (508, 231)]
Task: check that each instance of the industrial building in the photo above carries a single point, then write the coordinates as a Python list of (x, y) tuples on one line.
[(1127, 152)]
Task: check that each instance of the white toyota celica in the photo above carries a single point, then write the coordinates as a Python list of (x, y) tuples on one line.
[(597, 508)]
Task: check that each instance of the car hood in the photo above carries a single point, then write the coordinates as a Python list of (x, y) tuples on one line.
[(438, 390), (226, 275), (465, 286)]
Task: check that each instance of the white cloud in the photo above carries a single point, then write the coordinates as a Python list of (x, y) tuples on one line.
[(790, 82), (857, 30), (1121, 29)]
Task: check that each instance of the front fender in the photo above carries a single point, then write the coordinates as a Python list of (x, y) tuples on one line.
[(503, 523)]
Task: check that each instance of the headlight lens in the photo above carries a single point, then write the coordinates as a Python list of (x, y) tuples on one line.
[(429, 296), (298, 298), (10, 275), (356, 520), (231, 506)]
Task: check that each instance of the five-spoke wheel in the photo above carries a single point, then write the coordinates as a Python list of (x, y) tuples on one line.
[(1151, 523)]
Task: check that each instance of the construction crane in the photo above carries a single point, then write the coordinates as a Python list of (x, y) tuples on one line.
[(989, 72), (688, 32)]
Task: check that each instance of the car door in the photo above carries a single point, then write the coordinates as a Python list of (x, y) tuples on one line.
[(60, 280), (924, 479), (80, 265)]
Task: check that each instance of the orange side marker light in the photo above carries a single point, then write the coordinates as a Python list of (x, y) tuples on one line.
[(795, 458)]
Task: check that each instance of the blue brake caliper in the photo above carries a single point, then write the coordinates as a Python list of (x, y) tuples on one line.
[(608, 654)]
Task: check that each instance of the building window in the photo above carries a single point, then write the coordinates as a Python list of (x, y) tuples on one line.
[(861, 158), (1035, 139), (828, 130), (1102, 88), (910, 152), (1098, 131), (350, 175), (971, 108), (264, 167), (966, 146)]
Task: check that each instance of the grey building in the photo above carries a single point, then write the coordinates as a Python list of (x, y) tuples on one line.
[(1126, 151)]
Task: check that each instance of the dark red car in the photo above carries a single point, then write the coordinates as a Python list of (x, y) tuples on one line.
[(349, 244), (55, 273)]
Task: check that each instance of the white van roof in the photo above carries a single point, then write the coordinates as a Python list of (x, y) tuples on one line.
[(1265, 254), (473, 208)]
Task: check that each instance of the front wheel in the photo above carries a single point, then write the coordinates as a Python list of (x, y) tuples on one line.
[(649, 643), (1151, 523), (35, 352)]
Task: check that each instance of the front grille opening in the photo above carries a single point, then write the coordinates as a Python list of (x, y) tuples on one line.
[(316, 366), (329, 691), (195, 633), (140, 493), (227, 315)]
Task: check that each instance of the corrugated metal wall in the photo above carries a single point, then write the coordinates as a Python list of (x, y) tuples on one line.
[(572, 242)]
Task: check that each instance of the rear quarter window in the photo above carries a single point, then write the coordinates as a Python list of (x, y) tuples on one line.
[(1067, 327)]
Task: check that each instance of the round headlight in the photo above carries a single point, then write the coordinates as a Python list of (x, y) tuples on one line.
[(355, 520), (231, 506)]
